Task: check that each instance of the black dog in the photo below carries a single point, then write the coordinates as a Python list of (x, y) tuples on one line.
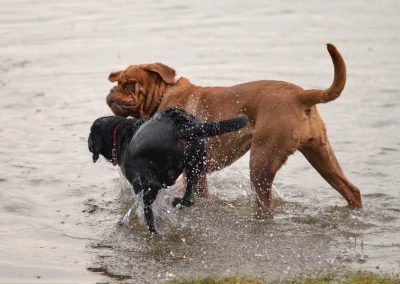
[(153, 153)]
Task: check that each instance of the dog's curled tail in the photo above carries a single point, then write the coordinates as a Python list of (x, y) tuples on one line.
[(208, 129), (312, 97)]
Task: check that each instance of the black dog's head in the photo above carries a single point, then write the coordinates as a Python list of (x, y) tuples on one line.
[(101, 135)]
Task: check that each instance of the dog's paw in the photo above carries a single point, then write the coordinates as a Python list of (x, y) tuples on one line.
[(153, 231), (180, 203), (177, 202)]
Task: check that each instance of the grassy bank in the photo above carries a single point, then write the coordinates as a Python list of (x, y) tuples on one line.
[(354, 278)]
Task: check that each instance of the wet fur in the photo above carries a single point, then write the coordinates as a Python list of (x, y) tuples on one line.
[(153, 153)]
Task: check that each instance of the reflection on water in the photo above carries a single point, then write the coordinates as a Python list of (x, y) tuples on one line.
[(61, 216)]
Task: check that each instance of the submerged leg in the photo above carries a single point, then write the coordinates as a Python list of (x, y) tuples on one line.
[(149, 196)]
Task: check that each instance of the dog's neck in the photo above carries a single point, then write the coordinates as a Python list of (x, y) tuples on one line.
[(169, 86), (122, 134), (172, 91)]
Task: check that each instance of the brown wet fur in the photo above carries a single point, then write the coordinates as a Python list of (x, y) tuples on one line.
[(284, 118)]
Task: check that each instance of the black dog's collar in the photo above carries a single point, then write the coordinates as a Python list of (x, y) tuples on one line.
[(114, 153)]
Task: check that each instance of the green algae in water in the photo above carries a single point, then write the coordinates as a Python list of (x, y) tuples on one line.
[(353, 278)]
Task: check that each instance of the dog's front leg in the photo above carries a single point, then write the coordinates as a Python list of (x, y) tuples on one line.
[(149, 196)]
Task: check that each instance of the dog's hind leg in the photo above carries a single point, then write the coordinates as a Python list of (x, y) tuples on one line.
[(187, 199), (201, 186), (194, 166), (264, 163), (322, 158), (148, 198)]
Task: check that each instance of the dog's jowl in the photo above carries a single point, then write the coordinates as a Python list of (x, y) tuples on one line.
[(153, 153)]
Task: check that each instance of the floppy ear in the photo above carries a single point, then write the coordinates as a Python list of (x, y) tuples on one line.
[(114, 76), (95, 144), (165, 72)]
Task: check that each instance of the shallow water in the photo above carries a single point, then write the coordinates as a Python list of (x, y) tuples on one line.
[(60, 215)]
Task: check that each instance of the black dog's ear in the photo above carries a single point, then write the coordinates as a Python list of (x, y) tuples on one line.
[(95, 145)]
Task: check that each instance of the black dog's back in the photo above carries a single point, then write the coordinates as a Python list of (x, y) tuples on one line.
[(155, 136), (188, 126)]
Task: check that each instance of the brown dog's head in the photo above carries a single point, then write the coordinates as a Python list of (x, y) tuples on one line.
[(139, 89)]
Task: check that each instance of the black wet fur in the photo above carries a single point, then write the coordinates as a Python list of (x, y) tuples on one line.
[(153, 153)]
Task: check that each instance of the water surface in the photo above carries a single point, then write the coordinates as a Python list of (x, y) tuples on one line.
[(61, 215)]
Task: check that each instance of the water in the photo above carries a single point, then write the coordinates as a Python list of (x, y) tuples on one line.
[(61, 215)]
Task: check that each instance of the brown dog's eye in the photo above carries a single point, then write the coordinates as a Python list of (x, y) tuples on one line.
[(129, 86)]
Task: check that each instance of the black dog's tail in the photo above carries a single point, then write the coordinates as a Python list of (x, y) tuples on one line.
[(214, 128)]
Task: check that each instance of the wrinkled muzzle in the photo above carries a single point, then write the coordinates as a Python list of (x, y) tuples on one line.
[(122, 104)]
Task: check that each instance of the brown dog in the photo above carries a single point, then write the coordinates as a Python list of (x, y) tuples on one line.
[(283, 116)]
